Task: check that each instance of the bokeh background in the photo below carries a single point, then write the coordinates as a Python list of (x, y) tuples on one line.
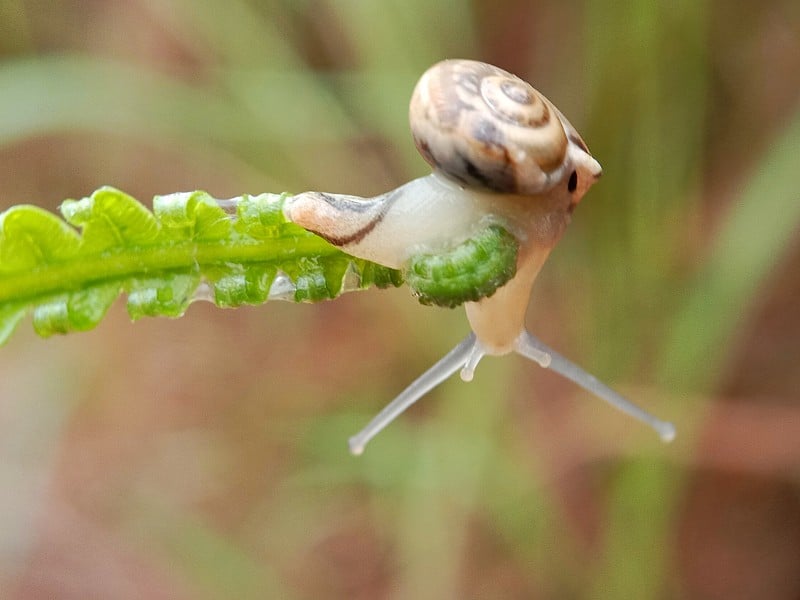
[(206, 457)]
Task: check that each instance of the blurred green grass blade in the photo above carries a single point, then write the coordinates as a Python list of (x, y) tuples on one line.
[(637, 533), (650, 142), (380, 99), (15, 28), (68, 93), (404, 34), (267, 118), (395, 42), (236, 31), (292, 105), (751, 241), (212, 562)]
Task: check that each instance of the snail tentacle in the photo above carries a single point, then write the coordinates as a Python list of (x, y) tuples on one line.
[(466, 356), (442, 370), (533, 348)]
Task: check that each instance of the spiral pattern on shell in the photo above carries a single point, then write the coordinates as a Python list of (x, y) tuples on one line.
[(487, 128)]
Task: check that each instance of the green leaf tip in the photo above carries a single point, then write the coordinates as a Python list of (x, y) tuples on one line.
[(470, 271), (110, 218), (31, 237), (190, 246)]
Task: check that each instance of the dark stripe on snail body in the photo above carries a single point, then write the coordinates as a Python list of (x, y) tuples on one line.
[(363, 216)]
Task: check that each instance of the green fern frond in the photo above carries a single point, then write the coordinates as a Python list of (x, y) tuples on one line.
[(68, 272)]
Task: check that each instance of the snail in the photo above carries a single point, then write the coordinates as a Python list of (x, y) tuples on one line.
[(508, 171)]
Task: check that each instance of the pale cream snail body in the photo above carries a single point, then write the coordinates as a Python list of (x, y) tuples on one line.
[(508, 170)]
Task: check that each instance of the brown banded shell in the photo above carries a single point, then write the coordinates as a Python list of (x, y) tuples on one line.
[(487, 128)]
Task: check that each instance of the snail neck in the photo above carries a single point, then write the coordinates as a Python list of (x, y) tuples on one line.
[(498, 320)]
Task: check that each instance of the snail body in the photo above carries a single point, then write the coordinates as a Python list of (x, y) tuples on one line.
[(508, 171), (428, 214)]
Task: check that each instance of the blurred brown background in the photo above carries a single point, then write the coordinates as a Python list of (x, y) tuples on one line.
[(206, 457)]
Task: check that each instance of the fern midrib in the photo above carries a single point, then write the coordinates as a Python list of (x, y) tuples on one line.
[(80, 271)]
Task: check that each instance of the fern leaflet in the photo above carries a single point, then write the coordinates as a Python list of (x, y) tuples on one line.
[(232, 252)]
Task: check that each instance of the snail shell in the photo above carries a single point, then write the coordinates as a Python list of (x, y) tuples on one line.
[(486, 128)]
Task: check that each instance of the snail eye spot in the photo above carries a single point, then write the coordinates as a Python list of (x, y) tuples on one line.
[(572, 184)]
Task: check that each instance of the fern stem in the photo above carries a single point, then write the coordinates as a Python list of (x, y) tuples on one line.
[(125, 263)]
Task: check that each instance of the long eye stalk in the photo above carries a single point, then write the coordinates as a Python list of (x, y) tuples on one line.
[(468, 353), (532, 347), (449, 364)]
